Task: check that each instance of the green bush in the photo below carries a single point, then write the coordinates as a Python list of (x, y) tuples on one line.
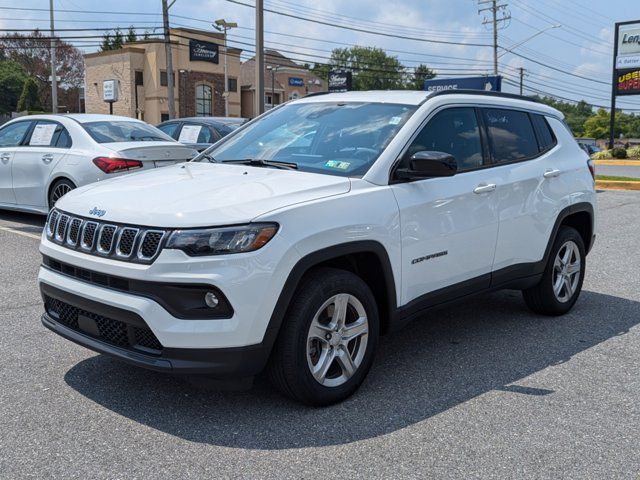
[(634, 152), (619, 153), (601, 155)]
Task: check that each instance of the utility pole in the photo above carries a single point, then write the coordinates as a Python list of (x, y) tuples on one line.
[(259, 99), (167, 49), (504, 17), (54, 70), (223, 26), (521, 80)]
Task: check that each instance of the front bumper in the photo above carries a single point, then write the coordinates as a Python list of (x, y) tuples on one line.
[(235, 362)]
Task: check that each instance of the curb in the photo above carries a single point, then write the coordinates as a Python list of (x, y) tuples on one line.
[(620, 163), (617, 185)]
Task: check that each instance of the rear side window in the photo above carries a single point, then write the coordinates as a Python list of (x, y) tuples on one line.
[(546, 139), (12, 135), (511, 135), (50, 134), (454, 131), (169, 129)]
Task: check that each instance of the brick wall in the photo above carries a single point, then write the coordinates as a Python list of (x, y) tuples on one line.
[(187, 85)]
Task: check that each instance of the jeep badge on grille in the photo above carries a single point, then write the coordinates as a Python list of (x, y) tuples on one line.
[(97, 212)]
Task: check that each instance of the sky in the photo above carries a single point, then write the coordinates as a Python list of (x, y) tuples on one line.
[(571, 58)]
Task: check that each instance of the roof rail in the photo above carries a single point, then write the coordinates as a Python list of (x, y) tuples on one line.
[(486, 93), (315, 94)]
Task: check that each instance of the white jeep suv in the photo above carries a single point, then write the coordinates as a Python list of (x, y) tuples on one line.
[(297, 240)]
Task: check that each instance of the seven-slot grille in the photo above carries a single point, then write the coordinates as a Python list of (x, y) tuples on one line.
[(123, 242)]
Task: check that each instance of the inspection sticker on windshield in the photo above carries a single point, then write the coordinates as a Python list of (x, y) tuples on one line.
[(337, 164), (395, 120)]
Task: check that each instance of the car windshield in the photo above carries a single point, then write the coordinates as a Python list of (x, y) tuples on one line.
[(123, 131), (323, 137)]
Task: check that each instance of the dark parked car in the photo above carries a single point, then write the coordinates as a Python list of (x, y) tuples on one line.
[(197, 132)]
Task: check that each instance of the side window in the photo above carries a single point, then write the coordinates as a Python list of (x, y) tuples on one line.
[(50, 134), (169, 129), (12, 135), (546, 139), (454, 131), (511, 135)]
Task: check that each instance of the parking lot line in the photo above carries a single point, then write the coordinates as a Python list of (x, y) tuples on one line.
[(18, 232)]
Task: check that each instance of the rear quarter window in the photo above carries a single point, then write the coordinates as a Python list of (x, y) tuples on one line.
[(544, 133)]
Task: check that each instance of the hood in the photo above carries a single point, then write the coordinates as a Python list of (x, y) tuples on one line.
[(199, 194), (152, 151)]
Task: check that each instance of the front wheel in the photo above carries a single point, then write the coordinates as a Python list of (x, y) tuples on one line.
[(562, 279), (328, 339)]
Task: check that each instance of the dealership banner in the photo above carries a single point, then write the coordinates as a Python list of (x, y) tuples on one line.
[(487, 82), (628, 82), (200, 51), (340, 81)]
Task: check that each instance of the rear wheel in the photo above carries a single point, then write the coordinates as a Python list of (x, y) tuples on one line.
[(58, 190), (328, 339), (562, 280)]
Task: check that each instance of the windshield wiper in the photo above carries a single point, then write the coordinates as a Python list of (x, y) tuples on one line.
[(259, 162)]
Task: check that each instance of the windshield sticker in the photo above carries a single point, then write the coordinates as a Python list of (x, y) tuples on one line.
[(43, 134), (189, 134), (337, 164), (395, 120)]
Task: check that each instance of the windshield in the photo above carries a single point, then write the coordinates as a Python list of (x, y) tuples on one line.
[(333, 138), (123, 131)]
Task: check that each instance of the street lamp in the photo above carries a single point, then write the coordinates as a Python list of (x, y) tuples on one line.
[(510, 49), (222, 25), (273, 69)]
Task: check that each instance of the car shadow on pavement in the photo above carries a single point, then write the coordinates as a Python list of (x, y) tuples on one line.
[(435, 363), (24, 222)]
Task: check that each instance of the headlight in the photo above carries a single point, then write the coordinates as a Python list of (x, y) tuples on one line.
[(220, 241)]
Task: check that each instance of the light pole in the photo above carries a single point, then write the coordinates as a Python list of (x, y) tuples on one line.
[(54, 73), (273, 70), (222, 25), (166, 5)]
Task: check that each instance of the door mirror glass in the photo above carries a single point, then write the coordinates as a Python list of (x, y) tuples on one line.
[(427, 164)]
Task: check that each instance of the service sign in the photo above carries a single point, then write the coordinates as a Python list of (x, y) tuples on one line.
[(110, 91), (489, 82), (200, 51), (296, 82), (340, 81)]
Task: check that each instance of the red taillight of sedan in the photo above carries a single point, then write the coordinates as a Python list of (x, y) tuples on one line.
[(112, 165)]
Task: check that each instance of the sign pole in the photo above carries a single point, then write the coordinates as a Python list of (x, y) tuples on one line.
[(614, 79)]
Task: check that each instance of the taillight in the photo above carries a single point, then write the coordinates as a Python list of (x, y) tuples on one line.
[(592, 169), (111, 165)]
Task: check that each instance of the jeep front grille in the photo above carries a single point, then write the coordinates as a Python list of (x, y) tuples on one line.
[(122, 242)]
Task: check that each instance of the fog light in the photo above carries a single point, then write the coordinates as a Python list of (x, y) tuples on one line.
[(211, 300)]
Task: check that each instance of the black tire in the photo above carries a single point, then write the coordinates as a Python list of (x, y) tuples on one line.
[(59, 186), (290, 368), (542, 298)]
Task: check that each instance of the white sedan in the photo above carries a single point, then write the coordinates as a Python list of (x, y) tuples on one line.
[(42, 157)]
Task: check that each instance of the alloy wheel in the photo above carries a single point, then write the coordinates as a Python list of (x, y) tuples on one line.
[(337, 340), (566, 271), (59, 192)]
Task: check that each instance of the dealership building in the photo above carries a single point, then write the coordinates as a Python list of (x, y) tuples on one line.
[(139, 72)]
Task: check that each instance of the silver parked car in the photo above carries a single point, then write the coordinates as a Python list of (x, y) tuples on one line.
[(42, 157)]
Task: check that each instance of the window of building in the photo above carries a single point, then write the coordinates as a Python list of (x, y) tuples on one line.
[(233, 85), (204, 100), (454, 131), (139, 78), (164, 81), (164, 117), (511, 135)]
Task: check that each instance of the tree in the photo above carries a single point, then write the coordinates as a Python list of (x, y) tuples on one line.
[(131, 35), (575, 113), (30, 97), (371, 67), (32, 52), (12, 78), (420, 74)]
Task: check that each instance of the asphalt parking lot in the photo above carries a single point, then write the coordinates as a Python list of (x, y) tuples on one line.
[(483, 389)]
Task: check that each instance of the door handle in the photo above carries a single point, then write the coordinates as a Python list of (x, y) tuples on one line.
[(5, 157), (485, 188), (47, 157), (551, 173)]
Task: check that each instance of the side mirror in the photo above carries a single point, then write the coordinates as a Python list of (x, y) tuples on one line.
[(426, 164)]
